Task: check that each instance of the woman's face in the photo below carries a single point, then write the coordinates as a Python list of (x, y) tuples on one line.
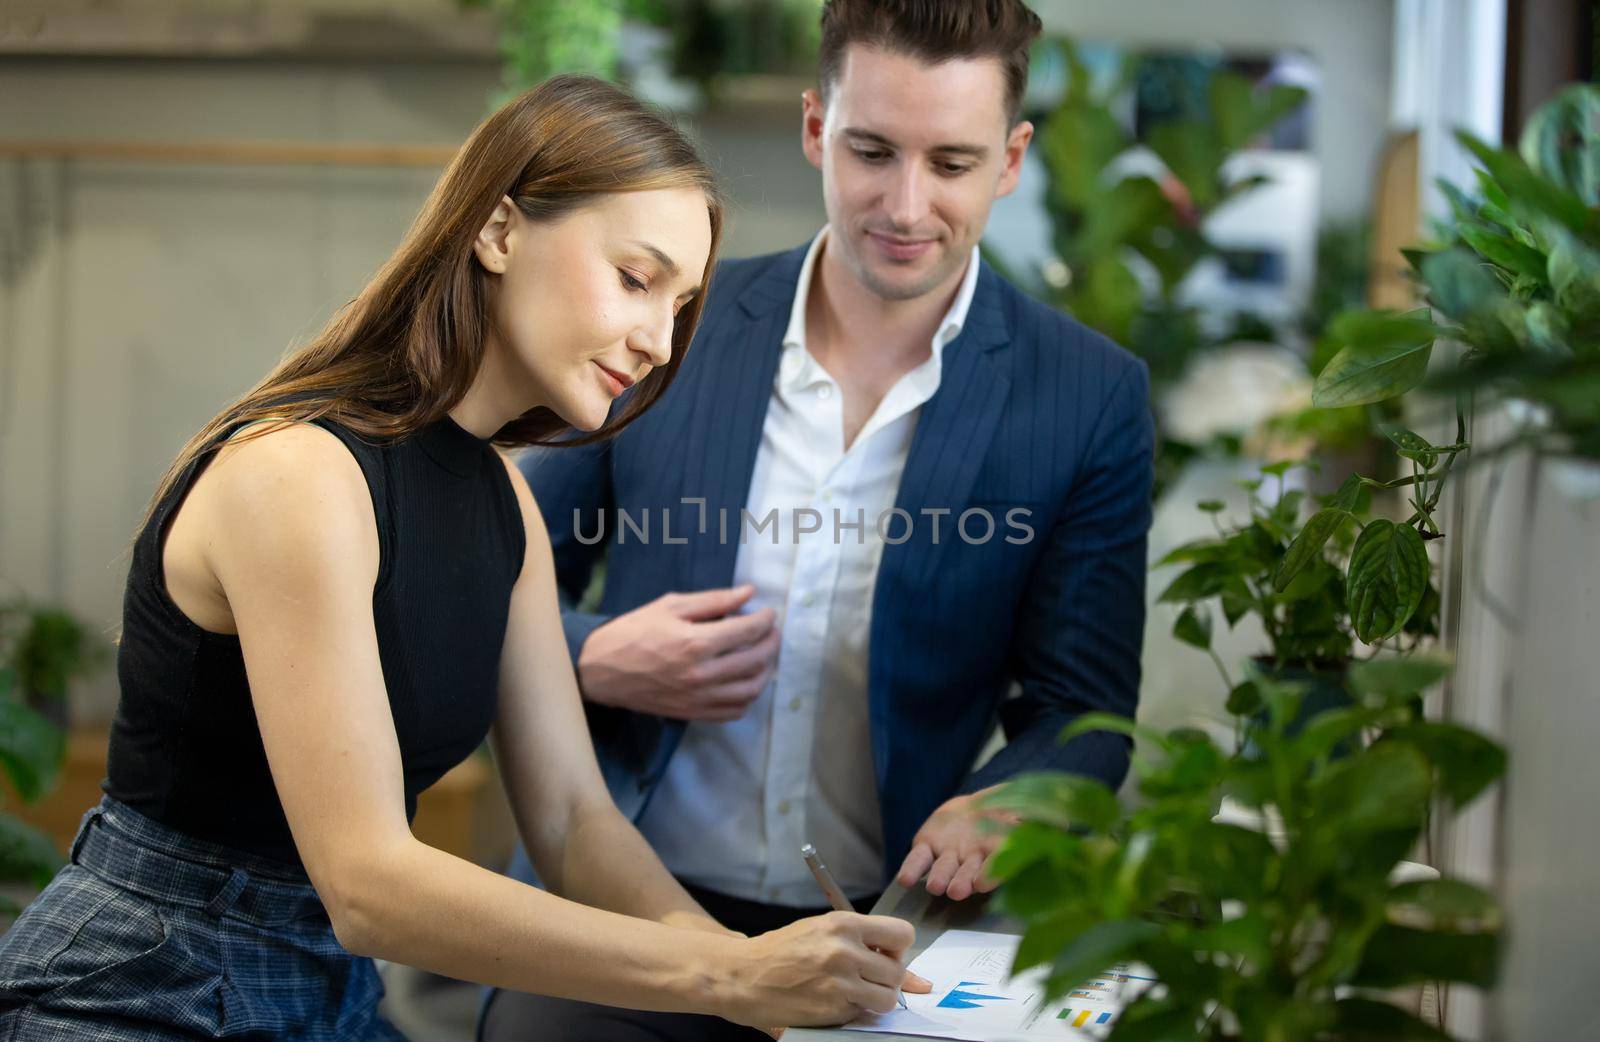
[(584, 306)]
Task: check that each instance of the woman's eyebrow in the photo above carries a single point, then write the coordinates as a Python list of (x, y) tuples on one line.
[(667, 264)]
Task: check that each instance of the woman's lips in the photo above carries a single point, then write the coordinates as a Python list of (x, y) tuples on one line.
[(900, 249), (614, 383)]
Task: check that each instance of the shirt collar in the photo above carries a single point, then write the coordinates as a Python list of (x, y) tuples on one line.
[(794, 337)]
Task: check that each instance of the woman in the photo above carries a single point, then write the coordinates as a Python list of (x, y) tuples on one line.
[(340, 586)]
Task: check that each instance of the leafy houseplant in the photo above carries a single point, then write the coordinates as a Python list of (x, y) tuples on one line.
[(1108, 225), (1319, 583), (541, 38), (1106, 222), (1291, 938), (1514, 279), (711, 39), (41, 649)]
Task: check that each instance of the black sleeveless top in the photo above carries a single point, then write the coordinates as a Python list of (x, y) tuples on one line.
[(185, 749)]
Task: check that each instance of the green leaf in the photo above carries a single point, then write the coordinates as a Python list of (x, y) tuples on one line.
[(1395, 677), (1058, 798), (1243, 111), (1443, 904), (1235, 606), (31, 750), (1369, 1020), (1458, 283), (1193, 155), (1031, 843), (1399, 955), (1547, 327), (1331, 729), (1527, 191), (1195, 552), (1047, 935), (1385, 355), (1382, 788), (1505, 251), (1493, 194), (1413, 446), (1159, 1020), (1561, 141), (1129, 209), (1097, 948), (1308, 544), (1462, 206), (1203, 580), (1352, 495), (1388, 574), (1245, 700), (1193, 628), (1467, 761), (1574, 270), (1246, 937), (1212, 506), (26, 854)]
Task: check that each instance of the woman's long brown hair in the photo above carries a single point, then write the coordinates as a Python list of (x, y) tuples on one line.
[(404, 352)]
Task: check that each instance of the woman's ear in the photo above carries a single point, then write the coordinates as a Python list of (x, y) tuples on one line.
[(493, 244)]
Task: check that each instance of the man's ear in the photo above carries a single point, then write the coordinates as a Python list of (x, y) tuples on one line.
[(1016, 151), (813, 118), (493, 244)]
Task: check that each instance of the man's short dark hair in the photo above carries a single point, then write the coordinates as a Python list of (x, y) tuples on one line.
[(933, 31)]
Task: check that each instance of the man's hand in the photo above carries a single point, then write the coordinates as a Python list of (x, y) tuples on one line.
[(953, 848), (683, 655)]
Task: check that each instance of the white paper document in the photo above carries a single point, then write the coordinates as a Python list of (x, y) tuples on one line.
[(973, 999)]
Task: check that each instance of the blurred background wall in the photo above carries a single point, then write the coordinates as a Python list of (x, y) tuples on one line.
[(139, 295)]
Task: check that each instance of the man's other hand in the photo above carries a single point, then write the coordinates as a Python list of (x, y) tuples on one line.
[(690, 656), (953, 847)]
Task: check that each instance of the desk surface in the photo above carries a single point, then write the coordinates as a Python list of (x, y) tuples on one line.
[(931, 916)]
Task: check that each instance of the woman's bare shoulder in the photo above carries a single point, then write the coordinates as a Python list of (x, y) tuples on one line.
[(288, 492)]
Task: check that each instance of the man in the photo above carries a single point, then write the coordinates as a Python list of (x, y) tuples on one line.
[(886, 489)]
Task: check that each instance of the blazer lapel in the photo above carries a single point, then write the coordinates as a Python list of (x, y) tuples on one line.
[(740, 362), (956, 424), (947, 451)]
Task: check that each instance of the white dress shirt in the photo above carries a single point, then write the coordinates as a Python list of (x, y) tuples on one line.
[(738, 799)]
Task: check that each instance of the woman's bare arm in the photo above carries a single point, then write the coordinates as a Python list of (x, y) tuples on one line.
[(292, 542), (580, 844)]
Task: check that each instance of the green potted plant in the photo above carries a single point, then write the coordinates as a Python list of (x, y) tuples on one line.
[(1318, 581), (1514, 279), (41, 650), (1107, 222), (1293, 933)]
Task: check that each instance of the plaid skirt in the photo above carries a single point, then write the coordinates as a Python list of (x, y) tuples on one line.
[(149, 935)]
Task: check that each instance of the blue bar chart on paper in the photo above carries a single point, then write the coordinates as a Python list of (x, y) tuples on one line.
[(976, 999)]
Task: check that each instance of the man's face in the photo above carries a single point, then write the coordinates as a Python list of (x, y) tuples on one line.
[(912, 157)]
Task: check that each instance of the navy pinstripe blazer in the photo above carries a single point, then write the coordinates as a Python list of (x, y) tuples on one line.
[(1033, 411)]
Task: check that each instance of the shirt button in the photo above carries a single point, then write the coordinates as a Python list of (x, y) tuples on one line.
[(808, 600), (783, 808), (795, 704), (825, 391)]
